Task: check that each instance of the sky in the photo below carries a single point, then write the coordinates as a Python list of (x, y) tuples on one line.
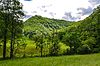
[(71, 10)]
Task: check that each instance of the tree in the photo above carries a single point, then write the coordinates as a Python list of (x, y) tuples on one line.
[(54, 49), (4, 9), (98, 26), (40, 43), (16, 22), (12, 13)]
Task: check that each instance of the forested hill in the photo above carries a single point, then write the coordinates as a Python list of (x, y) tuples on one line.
[(84, 35), (81, 37), (39, 23)]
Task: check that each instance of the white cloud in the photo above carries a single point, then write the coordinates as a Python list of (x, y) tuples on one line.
[(57, 8)]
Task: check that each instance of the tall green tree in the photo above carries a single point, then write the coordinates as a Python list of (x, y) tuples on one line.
[(16, 22), (4, 9), (12, 14)]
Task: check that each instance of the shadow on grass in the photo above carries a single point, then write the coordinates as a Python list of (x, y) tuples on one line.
[(45, 56), (15, 58), (2, 59)]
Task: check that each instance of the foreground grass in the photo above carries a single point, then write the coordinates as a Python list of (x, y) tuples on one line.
[(75, 60)]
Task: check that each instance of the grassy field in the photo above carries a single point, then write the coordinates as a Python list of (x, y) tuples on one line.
[(74, 60)]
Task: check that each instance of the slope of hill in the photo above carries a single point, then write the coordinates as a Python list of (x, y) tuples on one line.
[(84, 35), (47, 35), (43, 24), (42, 30)]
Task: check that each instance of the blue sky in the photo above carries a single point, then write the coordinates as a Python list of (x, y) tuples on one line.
[(72, 10)]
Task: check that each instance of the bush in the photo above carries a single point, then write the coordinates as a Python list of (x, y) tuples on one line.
[(63, 48), (54, 50), (84, 49), (96, 50), (70, 51)]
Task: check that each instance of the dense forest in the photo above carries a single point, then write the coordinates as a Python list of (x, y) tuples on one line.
[(41, 36)]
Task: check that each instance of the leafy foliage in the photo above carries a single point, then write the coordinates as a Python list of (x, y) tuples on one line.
[(44, 36)]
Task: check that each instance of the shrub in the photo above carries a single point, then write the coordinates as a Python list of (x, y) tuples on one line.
[(96, 50), (54, 50), (63, 48), (84, 49), (70, 51)]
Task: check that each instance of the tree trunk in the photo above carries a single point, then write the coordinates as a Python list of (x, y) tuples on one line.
[(4, 46), (12, 41), (11, 49), (5, 37), (41, 51)]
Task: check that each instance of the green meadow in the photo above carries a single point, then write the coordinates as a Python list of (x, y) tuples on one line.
[(72, 60)]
